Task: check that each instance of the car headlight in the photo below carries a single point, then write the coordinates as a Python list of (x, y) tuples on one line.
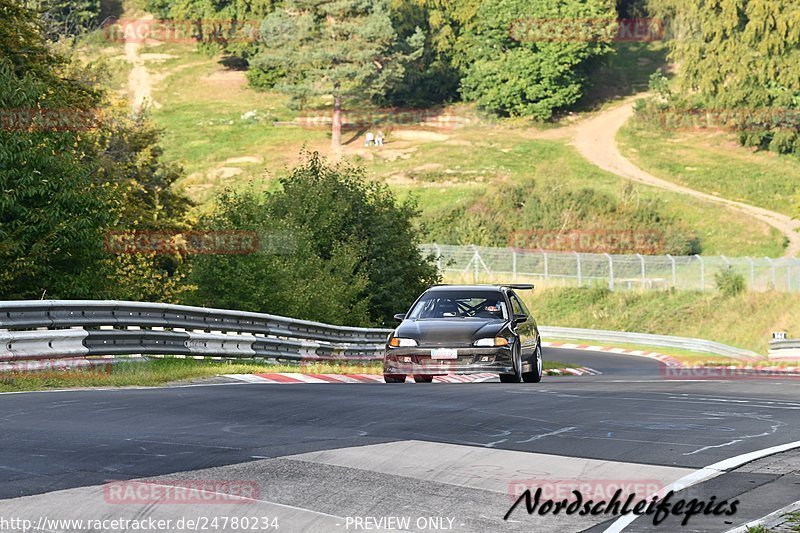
[(496, 341), (399, 341)]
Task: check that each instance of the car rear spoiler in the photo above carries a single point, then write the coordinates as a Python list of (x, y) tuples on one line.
[(517, 286)]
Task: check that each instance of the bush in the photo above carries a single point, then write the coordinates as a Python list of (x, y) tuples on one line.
[(349, 253), (516, 65), (783, 142), (729, 282)]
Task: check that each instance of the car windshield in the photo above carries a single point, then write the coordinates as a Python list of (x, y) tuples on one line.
[(488, 305)]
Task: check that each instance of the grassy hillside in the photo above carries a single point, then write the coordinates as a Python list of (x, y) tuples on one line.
[(715, 163), (687, 314), (222, 132)]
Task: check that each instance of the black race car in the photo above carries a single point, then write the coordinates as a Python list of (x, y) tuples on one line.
[(465, 329)]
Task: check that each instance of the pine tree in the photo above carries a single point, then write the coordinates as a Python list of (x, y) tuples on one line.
[(735, 53), (341, 48)]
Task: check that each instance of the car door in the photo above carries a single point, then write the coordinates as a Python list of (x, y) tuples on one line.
[(526, 330)]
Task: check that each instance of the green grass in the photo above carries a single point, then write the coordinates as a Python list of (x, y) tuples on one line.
[(714, 163), (200, 104), (793, 521), (746, 321), (157, 372)]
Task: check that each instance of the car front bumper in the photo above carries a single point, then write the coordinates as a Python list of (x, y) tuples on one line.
[(471, 360)]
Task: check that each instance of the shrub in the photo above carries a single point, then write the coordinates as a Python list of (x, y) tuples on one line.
[(729, 282)]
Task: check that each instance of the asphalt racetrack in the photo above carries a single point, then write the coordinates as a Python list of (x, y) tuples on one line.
[(416, 457)]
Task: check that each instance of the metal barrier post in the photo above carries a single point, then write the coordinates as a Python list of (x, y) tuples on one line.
[(643, 274), (514, 264), (772, 266), (546, 269), (702, 273), (610, 272), (674, 272), (578, 260)]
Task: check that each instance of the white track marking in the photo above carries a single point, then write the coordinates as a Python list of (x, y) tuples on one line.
[(704, 474)]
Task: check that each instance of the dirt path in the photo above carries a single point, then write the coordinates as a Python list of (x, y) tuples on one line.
[(595, 139), (140, 86)]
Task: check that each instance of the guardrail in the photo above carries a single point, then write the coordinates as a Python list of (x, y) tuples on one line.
[(51, 330), (666, 341), (55, 329), (784, 349)]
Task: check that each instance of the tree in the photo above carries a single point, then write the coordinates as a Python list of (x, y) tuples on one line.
[(738, 55), (735, 52), (53, 209), (73, 166), (529, 57), (340, 49), (144, 199), (286, 275), (433, 77), (346, 252), (338, 205), (63, 18)]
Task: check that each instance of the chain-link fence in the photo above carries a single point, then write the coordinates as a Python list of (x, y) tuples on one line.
[(475, 264)]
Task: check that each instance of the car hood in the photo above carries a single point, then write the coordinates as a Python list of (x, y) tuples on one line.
[(449, 332)]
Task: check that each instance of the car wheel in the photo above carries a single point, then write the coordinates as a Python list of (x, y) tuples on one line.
[(419, 378), (394, 378), (535, 376), (515, 377)]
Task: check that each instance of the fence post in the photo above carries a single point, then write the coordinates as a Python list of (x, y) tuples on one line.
[(475, 260), (796, 264), (788, 276), (643, 274), (674, 272), (772, 266), (438, 257), (578, 261), (610, 272), (702, 272), (752, 272), (514, 264), (546, 269)]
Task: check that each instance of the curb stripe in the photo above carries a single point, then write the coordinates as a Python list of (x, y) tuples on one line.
[(294, 378)]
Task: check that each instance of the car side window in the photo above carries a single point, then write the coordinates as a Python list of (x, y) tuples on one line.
[(524, 307), (516, 305)]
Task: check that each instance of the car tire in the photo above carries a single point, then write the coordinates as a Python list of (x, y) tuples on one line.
[(420, 378), (515, 377), (535, 376), (394, 378)]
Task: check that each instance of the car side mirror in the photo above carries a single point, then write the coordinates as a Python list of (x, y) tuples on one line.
[(400, 317), (519, 319)]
